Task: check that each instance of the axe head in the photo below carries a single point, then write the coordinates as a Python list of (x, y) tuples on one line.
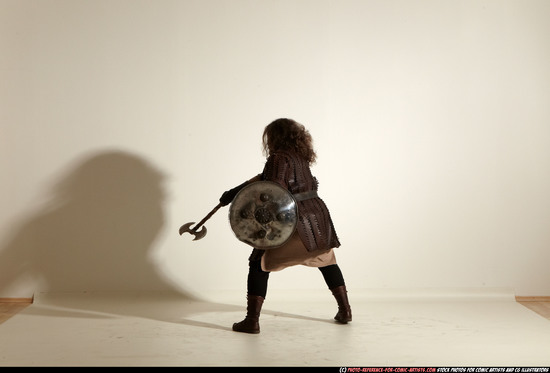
[(186, 228)]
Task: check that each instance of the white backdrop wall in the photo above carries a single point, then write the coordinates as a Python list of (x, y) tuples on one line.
[(123, 119)]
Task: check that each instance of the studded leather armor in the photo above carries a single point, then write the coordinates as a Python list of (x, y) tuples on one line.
[(315, 225)]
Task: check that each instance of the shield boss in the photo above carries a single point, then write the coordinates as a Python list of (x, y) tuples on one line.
[(263, 215)]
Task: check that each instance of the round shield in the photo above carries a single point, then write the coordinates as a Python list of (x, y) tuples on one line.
[(263, 215)]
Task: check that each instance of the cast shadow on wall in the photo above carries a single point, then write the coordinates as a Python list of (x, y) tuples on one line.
[(90, 247), (97, 231)]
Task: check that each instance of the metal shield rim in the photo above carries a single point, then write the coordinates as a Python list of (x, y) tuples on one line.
[(233, 208)]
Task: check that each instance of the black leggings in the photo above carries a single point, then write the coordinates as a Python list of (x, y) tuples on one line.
[(257, 278)]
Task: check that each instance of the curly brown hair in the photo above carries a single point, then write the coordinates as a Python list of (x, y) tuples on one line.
[(287, 134)]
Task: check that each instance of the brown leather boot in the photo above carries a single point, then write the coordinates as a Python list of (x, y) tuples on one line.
[(344, 310), (251, 324)]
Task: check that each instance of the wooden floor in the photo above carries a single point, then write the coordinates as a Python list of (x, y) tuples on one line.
[(540, 305), (9, 309), (537, 304)]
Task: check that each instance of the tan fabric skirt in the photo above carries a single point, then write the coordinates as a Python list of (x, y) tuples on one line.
[(293, 252)]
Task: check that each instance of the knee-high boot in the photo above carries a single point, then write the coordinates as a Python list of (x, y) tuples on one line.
[(251, 323), (344, 310)]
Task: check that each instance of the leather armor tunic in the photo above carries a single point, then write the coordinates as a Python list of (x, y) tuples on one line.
[(315, 226)]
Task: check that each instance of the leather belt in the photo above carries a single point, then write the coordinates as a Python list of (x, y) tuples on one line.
[(305, 195)]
